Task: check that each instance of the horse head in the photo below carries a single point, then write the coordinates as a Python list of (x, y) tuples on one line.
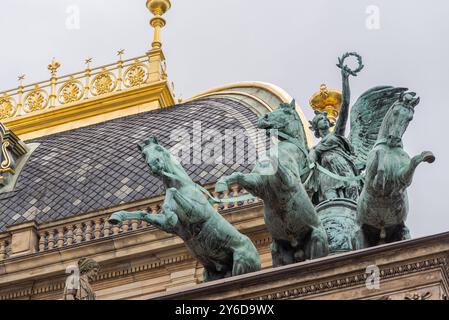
[(285, 119), (398, 118), (156, 156)]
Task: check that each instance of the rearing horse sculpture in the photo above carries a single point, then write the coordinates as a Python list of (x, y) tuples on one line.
[(211, 239), (289, 214), (383, 204)]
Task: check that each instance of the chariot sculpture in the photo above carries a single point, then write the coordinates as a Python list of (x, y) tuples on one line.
[(344, 193)]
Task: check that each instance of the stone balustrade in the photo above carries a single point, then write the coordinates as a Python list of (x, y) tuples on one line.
[(81, 229)]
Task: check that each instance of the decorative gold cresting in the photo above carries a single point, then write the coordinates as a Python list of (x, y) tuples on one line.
[(327, 101), (53, 67), (126, 86)]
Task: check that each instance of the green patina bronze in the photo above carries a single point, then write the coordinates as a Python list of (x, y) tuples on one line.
[(346, 193), (288, 211), (357, 182), (210, 238), (383, 204), (369, 167), (335, 175)]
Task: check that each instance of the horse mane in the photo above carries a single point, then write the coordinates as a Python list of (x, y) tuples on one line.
[(385, 126), (296, 129), (176, 169)]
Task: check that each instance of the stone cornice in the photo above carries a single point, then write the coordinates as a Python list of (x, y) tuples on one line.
[(160, 248), (394, 260)]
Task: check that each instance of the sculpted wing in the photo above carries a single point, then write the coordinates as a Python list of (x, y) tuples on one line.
[(367, 115)]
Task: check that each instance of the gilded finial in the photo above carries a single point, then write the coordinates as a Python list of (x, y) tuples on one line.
[(21, 77), (87, 62), (327, 100), (54, 66), (158, 8), (120, 54)]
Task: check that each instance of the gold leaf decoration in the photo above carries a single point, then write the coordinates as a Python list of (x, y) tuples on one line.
[(36, 100), (135, 75), (103, 83), (6, 107), (71, 91)]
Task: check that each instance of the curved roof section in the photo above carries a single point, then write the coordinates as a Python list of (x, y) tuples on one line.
[(258, 95), (98, 166)]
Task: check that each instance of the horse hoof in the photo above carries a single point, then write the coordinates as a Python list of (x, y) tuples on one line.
[(428, 156), (114, 221), (115, 218)]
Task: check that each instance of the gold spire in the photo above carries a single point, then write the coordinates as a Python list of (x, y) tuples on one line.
[(327, 101), (158, 8)]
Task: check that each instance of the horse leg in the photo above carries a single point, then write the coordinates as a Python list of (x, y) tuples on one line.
[(281, 253), (183, 203), (405, 233), (166, 220), (359, 240), (245, 261), (371, 235), (121, 216), (318, 245), (379, 179), (250, 182), (210, 274), (407, 173), (400, 233), (173, 197), (283, 173)]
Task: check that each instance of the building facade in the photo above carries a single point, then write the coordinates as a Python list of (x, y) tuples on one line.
[(69, 160)]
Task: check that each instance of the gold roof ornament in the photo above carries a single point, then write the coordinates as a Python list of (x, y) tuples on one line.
[(93, 95), (54, 66), (327, 100), (158, 8)]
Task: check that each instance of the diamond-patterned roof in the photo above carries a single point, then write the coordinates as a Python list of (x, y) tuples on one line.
[(99, 166)]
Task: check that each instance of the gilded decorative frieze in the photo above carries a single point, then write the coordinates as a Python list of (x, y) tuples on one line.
[(36, 100), (136, 74), (7, 107), (71, 91)]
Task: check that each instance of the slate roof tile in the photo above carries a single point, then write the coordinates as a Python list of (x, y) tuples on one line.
[(99, 166)]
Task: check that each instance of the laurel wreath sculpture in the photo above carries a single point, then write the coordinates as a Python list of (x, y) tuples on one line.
[(344, 67)]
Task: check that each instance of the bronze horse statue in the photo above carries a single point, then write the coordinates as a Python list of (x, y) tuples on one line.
[(289, 214), (383, 204), (211, 239)]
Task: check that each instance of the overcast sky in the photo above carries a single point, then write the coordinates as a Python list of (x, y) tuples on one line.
[(293, 44)]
